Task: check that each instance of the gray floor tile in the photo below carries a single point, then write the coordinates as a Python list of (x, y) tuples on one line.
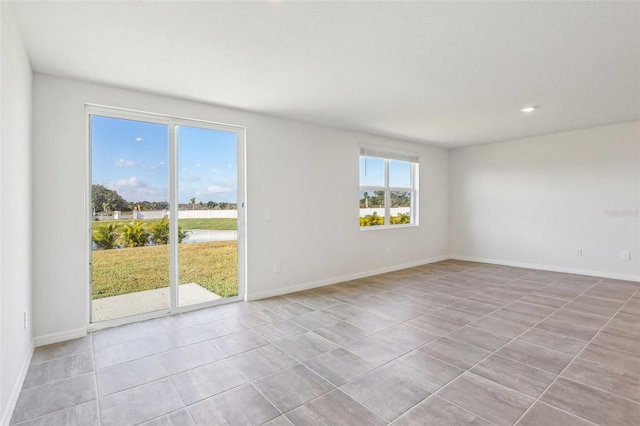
[(478, 338), (437, 411), (211, 330), (314, 320), (259, 318), (46, 399), (238, 342), (292, 309), (115, 335), (621, 383), (279, 330), (423, 370), (58, 369), (177, 418), (384, 393), (62, 349), (543, 414), (139, 404), (456, 315), (610, 357), (450, 351), (594, 306), (260, 362), (515, 316), (380, 337), (618, 341), (279, 421), (158, 325), (340, 366), (499, 327), (592, 404), (292, 387), (435, 324), (371, 323), (514, 375), (187, 357), (203, 382), (557, 342), (342, 333), (85, 414), (475, 307), (306, 346), (486, 399), (128, 375), (334, 408), (535, 356), (122, 352), (173, 339), (243, 405)]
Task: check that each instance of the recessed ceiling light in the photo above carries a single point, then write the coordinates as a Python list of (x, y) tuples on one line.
[(529, 108)]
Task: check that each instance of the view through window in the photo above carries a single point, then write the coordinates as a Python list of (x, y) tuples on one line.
[(388, 193), (141, 173)]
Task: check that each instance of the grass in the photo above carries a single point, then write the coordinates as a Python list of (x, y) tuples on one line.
[(213, 265)]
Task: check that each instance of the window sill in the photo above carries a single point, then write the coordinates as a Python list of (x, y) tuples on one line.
[(374, 228)]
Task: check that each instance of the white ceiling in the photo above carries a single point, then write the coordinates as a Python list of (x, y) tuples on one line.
[(446, 73)]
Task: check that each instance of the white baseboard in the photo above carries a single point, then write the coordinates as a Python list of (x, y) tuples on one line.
[(589, 272), (48, 339), (336, 280), (17, 387)]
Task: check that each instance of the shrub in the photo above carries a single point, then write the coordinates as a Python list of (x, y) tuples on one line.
[(135, 234), (372, 220), (106, 237), (401, 219), (160, 232)]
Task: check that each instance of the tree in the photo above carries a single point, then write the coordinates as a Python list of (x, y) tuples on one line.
[(366, 200), (135, 234), (108, 199), (106, 236), (193, 203)]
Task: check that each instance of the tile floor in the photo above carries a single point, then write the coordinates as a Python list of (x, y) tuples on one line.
[(446, 343)]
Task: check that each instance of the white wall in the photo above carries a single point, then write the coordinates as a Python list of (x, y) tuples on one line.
[(534, 201), (15, 219), (287, 162)]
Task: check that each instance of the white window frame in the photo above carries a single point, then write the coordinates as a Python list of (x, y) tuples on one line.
[(388, 156)]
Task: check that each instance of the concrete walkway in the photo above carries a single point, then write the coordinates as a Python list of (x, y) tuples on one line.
[(147, 301), (205, 235)]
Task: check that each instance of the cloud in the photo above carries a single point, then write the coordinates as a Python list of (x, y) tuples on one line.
[(132, 182), (124, 163), (217, 189), (134, 189), (191, 177)]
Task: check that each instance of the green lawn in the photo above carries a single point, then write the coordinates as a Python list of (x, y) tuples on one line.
[(186, 224), (212, 265)]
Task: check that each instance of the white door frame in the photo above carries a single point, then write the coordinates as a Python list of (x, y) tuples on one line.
[(171, 122)]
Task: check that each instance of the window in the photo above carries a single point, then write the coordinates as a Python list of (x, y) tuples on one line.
[(388, 188)]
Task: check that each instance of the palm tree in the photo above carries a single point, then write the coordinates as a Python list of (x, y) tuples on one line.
[(193, 203), (366, 200)]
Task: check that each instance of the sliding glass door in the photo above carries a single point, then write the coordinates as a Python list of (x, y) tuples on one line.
[(164, 210)]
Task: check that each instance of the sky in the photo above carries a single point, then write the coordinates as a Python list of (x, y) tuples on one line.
[(132, 158), (372, 172)]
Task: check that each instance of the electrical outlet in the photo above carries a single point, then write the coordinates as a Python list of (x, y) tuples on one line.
[(578, 252), (276, 267), (625, 255)]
